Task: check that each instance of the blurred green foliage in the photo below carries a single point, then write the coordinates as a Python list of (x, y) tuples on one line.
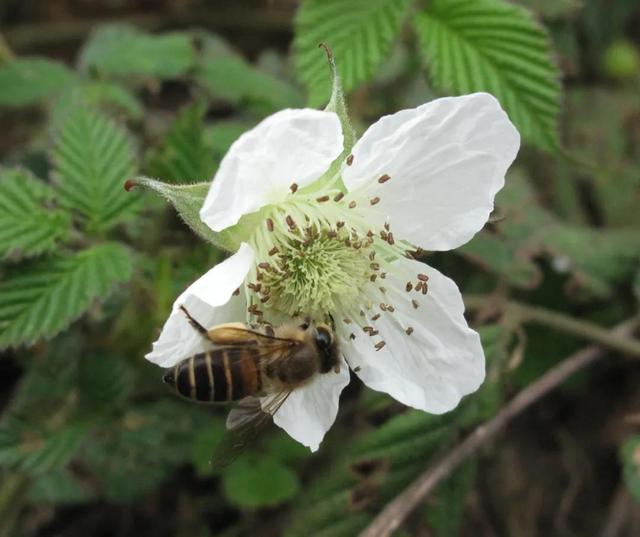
[(89, 271)]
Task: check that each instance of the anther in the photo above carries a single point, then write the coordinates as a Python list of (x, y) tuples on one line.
[(383, 289), (409, 286), (264, 266), (383, 275), (375, 266), (340, 224), (269, 223), (375, 200), (409, 331), (322, 199), (383, 178), (390, 308), (352, 336), (387, 226), (349, 160), (419, 286), (390, 239), (236, 292), (373, 277), (331, 234), (383, 306), (367, 329), (372, 255), (425, 288), (373, 333), (370, 234), (415, 304), (294, 188), (346, 321), (362, 313), (379, 345), (273, 250), (352, 205), (338, 196), (423, 277), (290, 222), (265, 298)]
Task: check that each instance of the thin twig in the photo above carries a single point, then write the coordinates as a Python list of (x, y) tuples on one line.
[(559, 321), (395, 512)]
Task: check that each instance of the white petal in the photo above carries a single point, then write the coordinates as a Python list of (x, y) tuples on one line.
[(437, 364), (309, 412), (288, 146), (210, 301), (447, 160)]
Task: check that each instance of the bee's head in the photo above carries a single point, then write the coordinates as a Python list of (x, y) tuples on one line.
[(326, 343)]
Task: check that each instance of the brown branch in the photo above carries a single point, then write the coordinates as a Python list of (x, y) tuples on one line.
[(395, 512), (558, 321)]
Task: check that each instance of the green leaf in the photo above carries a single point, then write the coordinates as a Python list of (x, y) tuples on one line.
[(184, 155), (29, 225), (133, 456), (46, 296), (231, 78), (446, 510), (493, 46), (596, 259), (360, 33), (26, 81), (630, 454), (93, 156), (24, 447), (105, 382), (59, 486), (121, 50), (107, 96), (259, 482)]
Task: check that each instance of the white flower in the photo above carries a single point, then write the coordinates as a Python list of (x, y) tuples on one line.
[(338, 243)]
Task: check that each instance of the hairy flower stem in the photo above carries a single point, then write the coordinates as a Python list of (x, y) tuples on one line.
[(525, 313)]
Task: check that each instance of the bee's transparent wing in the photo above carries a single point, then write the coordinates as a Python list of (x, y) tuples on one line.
[(244, 424)]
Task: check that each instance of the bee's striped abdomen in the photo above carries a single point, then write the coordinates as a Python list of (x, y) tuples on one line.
[(219, 375)]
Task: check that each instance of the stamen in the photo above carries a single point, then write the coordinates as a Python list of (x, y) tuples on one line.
[(349, 160), (409, 286), (291, 222), (375, 200), (390, 239), (373, 277), (423, 277), (273, 251), (264, 265), (269, 223), (384, 178), (375, 317), (322, 199), (352, 205), (379, 345), (409, 331), (338, 196)]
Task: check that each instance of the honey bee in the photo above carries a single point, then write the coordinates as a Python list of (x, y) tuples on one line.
[(245, 364)]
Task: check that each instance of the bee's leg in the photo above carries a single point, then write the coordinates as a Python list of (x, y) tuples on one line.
[(201, 329)]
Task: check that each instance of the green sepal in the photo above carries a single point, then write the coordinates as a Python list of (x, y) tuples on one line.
[(188, 200), (337, 105)]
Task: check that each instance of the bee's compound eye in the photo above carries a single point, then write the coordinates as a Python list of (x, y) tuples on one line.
[(169, 378), (323, 338)]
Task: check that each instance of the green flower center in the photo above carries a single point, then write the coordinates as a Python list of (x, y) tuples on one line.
[(314, 257)]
